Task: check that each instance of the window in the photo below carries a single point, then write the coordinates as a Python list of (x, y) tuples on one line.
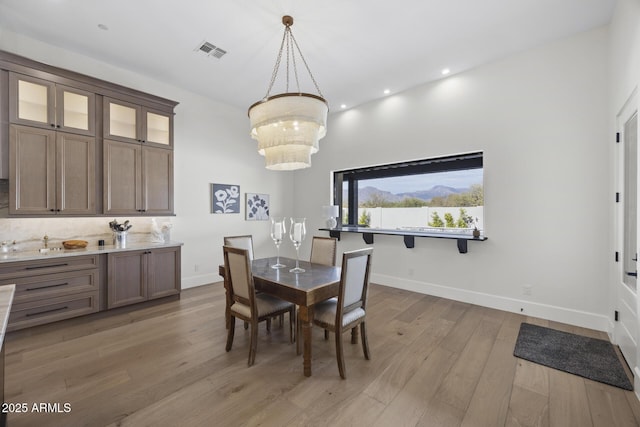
[(431, 195)]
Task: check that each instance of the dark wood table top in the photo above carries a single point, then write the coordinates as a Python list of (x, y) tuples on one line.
[(317, 283)]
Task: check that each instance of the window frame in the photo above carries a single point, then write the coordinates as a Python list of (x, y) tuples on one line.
[(462, 161)]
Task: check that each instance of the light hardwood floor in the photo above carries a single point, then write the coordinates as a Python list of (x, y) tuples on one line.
[(435, 362)]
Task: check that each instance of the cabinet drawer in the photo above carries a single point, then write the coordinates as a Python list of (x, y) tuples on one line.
[(52, 285), (50, 310), (14, 270)]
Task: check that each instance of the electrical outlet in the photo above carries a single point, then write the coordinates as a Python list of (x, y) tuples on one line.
[(527, 290)]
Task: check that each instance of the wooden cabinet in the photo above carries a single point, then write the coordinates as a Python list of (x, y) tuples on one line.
[(42, 103), (52, 289), (136, 276), (129, 122), (138, 179), (62, 287), (51, 172)]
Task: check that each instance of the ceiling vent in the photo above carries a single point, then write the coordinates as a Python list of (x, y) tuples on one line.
[(210, 50)]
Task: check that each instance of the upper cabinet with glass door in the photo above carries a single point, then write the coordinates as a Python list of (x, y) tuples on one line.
[(129, 122), (41, 103)]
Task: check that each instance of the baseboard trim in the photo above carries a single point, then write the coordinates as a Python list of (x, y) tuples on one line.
[(559, 314)]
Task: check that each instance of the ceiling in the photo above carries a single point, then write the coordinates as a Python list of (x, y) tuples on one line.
[(355, 48)]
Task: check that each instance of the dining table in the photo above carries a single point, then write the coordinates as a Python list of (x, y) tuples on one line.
[(317, 283)]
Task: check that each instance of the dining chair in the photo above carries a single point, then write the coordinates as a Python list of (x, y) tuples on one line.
[(245, 304), (323, 250), (243, 242), (348, 310)]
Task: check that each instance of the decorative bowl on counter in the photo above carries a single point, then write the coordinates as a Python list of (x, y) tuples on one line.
[(75, 244)]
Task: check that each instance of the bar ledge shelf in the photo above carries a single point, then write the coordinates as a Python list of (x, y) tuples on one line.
[(408, 235)]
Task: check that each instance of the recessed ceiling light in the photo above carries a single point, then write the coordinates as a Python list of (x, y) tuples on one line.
[(343, 106), (445, 71), (103, 27), (387, 91)]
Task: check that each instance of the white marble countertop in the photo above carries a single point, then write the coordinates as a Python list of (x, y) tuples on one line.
[(6, 299), (89, 250)]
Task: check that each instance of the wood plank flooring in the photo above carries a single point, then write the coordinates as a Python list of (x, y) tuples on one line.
[(435, 362)]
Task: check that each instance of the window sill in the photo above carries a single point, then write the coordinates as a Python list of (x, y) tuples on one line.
[(409, 235)]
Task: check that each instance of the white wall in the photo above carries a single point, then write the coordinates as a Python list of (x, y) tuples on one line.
[(624, 79), (212, 144), (540, 117)]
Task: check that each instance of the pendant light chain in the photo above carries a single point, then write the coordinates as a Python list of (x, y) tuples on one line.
[(274, 74), (306, 66), (290, 42)]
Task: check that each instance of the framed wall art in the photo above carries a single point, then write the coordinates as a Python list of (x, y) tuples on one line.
[(257, 207), (225, 198)]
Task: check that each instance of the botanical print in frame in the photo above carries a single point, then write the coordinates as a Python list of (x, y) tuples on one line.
[(225, 198), (257, 207)]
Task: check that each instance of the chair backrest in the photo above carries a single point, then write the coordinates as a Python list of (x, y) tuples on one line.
[(242, 242), (238, 275), (323, 250), (354, 280)]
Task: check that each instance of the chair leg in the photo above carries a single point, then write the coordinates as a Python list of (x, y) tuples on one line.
[(365, 341), (340, 354), (298, 334), (253, 346), (269, 325), (326, 334), (292, 317), (354, 335), (230, 332), (281, 320), (246, 325)]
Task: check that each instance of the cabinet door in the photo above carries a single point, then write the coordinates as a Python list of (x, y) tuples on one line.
[(75, 174), (75, 110), (157, 128), (121, 120), (122, 178), (32, 171), (32, 101), (126, 278), (164, 272), (157, 181)]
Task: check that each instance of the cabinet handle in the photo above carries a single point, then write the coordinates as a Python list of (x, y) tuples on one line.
[(46, 266), (58, 126), (52, 210), (53, 125), (48, 286), (47, 311)]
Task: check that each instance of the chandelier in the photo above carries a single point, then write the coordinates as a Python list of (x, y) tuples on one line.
[(289, 125)]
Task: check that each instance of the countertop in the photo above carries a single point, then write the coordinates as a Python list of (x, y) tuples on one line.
[(6, 298), (90, 250)]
